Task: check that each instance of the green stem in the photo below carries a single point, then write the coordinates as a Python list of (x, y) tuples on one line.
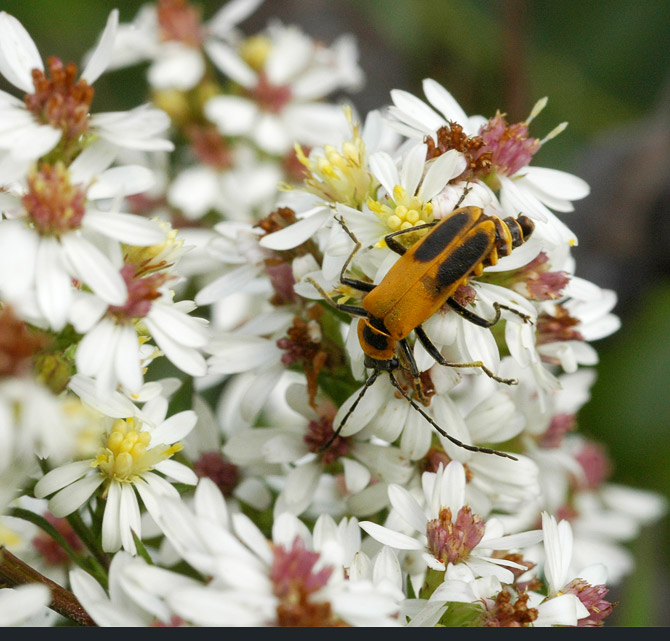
[(43, 524), (87, 538), (14, 572)]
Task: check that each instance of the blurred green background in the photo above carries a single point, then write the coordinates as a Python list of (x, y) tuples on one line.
[(605, 66)]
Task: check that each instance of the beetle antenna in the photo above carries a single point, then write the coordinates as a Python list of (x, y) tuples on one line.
[(455, 441), (336, 433)]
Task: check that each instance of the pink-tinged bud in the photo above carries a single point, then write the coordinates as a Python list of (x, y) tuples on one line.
[(593, 599), (295, 581), (451, 542), (141, 293), (511, 146)]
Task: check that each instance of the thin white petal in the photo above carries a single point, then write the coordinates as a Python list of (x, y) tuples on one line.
[(98, 62), (75, 495), (60, 477), (111, 535), (18, 53), (175, 428), (389, 537), (407, 507), (95, 269)]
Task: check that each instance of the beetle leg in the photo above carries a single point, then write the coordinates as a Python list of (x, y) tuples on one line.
[(394, 245), (483, 322), (372, 378), (413, 368), (349, 309), (455, 441), (435, 353), (352, 282)]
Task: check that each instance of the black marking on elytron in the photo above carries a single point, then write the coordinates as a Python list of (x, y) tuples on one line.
[(462, 260), (376, 339), (378, 324), (433, 245)]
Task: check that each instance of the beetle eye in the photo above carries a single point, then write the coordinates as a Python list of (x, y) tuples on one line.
[(394, 363)]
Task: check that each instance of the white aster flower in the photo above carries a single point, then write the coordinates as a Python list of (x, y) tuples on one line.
[(447, 532), (56, 109), (535, 191), (127, 604), (295, 579), (572, 599), (284, 73), (237, 191), (299, 448), (127, 462), (111, 350), (54, 234), (171, 36)]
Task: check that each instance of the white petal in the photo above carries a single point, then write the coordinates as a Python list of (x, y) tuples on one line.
[(100, 58), (412, 168), (417, 110), (225, 58), (557, 183), (187, 359), (563, 610), (95, 269), (356, 476), (18, 53), (129, 519), (188, 329), (91, 162), (383, 167), (18, 605), (115, 405), (175, 428), (441, 99), (60, 477), (54, 285), (298, 233), (440, 172), (230, 283), (407, 507), (177, 472), (233, 115), (230, 14), (178, 67), (127, 359), (75, 495), (122, 181), (390, 537)]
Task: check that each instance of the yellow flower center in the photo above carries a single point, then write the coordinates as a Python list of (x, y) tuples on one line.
[(403, 212), (126, 454), (157, 257), (340, 176)]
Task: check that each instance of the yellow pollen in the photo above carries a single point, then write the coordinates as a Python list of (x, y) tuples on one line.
[(393, 222), (340, 175), (126, 455)]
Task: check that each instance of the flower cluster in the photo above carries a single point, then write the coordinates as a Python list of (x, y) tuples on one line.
[(372, 420)]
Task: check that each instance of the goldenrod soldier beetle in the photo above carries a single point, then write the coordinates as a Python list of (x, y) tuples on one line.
[(421, 281)]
